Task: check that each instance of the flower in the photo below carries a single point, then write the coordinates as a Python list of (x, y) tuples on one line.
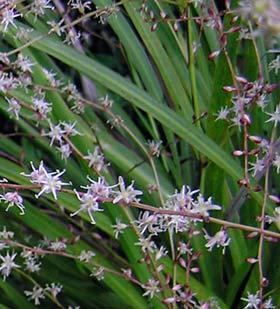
[(119, 228), (98, 188), (38, 7), (151, 288), (86, 256), (96, 159), (41, 107), (23, 63), (220, 239), (13, 199), (154, 148), (36, 294), (275, 65), (32, 264), (146, 244), (65, 151), (54, 289), (276, 163), (126, 195), (258, 166), (275, 116), (55, 133), (50, 182), (88, 203), (202, 206), (14, 107), (78, 5), (7, 264), (6, 234), (98, 273), (8, 16), (57, 245), (253, 301)]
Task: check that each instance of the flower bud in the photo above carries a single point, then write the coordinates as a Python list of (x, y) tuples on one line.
[(252, 260), (238, 153)]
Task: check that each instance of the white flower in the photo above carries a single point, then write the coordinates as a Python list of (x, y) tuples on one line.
[(65, 151), (13, 199), (88, 203), (32, 264), (275, 65), (276, 163), (154, 148), (50, 182), (98, 273), (253, 301), (96, 159), (275, 116), (202, 207), (7, 264), (6, 234), (119, 228), (51, 76), (86, 256), (54, 289), (151, 288), (98, 188), (55, 133), (41, 107), (14, 107), (8, 16), (57, 245), (258, 166), (36, 294), (161, 252), (39, 6), (126, 195), (79, 5), (148, 222), (220, 239), (23, 63), (69, 128), (7, 82), (146, 244), (268, 304)]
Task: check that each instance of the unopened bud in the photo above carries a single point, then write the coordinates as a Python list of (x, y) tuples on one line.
[(241, 79), (238, 153), (229, 88), (252, 235), (160, 268), (275, 199), (176, 288), (175, 27), (213, 55), (255, 139), (182, 263), (195, 270), (271, 239), (245, 120), (163, 15), (154, 27), (243, 182), (234, 19), (265, 282), (252, 260)]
